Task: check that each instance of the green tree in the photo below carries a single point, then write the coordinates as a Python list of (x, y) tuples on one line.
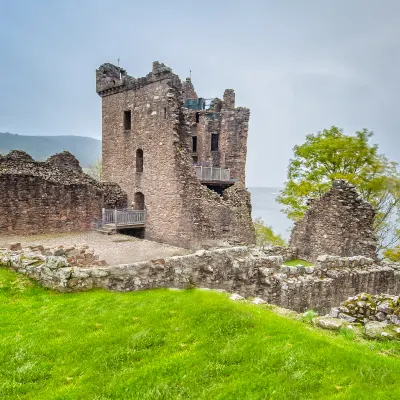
[(329, 155), (95, 170), (392, 254), (265, 236)]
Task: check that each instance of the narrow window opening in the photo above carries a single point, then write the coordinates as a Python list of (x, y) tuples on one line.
[(194, 144), (127, 120), (214, 141), (139, 201), (195, 159), (197, 117), (165, 113), (139, 160)]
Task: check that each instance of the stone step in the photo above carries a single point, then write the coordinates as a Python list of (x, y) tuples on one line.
[(105, 231)]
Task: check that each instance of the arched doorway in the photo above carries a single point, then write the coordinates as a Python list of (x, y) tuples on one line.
[(139, 201)]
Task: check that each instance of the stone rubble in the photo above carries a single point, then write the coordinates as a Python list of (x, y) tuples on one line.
[(74, 255)]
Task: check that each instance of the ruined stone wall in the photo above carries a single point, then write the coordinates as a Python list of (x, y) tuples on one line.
[(232, 126), (50, 196), (180, 210), (340, 223), (114, 196), (235, 269), (188, 90), (287, 253)]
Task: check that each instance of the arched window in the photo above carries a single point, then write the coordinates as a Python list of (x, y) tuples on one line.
[(139, 201), (139, 160)]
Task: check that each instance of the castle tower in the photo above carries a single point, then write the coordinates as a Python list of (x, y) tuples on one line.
[(147, 151)]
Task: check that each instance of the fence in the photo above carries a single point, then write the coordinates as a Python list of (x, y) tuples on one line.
[(213, 174), (122, 218)]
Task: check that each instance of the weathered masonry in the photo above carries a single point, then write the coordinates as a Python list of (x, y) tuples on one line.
[(51, 196), (243, 270), (167, 148), (340, 223)]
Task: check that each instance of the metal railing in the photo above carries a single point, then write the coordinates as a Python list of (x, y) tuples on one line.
[(213, 174), (121, 218)]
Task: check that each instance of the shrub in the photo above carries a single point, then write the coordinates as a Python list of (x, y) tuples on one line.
[(265, 235)]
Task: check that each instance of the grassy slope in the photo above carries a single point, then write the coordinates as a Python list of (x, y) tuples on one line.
[(167, 344)]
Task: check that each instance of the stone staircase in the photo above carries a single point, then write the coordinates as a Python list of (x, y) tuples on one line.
[(107, 229)]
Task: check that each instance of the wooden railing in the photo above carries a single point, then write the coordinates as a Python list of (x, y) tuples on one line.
[(122, 218), (213, 174)]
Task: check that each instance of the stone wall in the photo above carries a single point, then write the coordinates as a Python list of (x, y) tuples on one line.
[(339, 223), (180, 210), (50, 196), (188, 90), (237, 269), (287, 253), (231, 124)]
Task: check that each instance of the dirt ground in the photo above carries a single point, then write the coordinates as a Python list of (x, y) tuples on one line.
[(115, 249)]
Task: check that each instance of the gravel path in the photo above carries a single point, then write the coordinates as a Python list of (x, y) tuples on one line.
[(115, 249)]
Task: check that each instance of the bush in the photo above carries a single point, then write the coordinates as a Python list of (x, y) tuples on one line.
[(265, 236), (308, 316), (392, 254)]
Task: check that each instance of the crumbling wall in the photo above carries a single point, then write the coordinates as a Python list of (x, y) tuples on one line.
[(235, 269), (188, 90), (114, 196), (231, 124), (180, 211), (50, 196), (340, 223)]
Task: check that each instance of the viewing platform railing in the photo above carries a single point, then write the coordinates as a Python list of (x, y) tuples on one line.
[(121, 218), (209, 174)]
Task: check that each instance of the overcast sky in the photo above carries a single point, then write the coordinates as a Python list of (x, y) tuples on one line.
[(300, 66)]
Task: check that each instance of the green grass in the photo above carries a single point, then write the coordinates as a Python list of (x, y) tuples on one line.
[(295, 263), (166, 344)]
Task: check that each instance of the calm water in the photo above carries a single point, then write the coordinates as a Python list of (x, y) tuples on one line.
[(264, 206)]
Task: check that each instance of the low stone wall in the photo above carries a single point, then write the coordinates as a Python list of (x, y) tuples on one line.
[(235, 269), (287, 253)]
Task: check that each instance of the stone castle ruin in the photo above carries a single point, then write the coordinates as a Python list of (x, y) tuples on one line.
[(179, 160), (179, 157), (340, 223), (51, 196)]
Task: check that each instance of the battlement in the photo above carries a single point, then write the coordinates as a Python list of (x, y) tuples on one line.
[(111, 79)]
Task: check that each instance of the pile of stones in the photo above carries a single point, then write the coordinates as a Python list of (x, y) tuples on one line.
[(378, 315), (75, 255), (364, 308)]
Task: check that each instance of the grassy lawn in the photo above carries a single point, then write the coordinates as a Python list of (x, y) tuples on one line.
[(166, 344), (295, 263)]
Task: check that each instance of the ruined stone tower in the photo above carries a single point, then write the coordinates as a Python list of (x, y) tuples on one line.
[(167, 148), (340, 223)]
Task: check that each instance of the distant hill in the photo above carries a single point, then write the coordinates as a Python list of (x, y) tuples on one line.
[(86, 150)]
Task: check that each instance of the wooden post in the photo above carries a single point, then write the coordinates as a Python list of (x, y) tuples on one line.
[(103, 215), (115, 219)]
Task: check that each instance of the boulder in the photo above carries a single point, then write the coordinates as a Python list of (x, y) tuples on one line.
[(258, 300), (374, 329), (15, 246), (333, 324), (236, 297)]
